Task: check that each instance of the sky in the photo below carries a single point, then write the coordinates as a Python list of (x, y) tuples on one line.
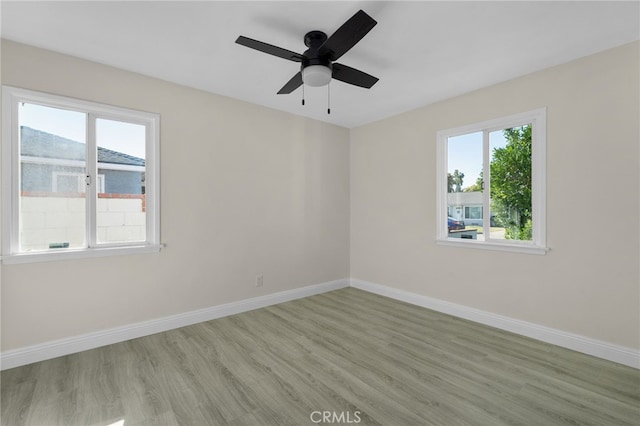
[(118, 136), (465, 154)]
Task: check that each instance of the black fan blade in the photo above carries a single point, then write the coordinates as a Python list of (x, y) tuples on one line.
[(350, 33), (353, 76), (270, 49), (293, 84)]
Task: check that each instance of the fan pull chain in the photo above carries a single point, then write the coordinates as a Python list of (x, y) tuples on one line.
[(329, 98), (302, 94)]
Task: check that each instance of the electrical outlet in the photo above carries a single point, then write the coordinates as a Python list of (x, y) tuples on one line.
[(259, 280)]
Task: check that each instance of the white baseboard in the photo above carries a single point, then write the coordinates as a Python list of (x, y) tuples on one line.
[(49, 350), (597, 348)]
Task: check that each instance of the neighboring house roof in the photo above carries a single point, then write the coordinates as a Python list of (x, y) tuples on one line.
[(464, 198), (36, 143)]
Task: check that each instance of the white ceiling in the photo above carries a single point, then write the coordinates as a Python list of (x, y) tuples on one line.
[(422, 52)]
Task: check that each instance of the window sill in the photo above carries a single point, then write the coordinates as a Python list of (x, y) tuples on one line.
[(513, 247), (79, 254)]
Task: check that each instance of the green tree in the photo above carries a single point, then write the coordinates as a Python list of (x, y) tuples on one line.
[(476, 187), (454, 181), (511, 183)]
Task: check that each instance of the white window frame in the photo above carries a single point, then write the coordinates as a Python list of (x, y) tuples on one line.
[(537, 118), (11, 99)]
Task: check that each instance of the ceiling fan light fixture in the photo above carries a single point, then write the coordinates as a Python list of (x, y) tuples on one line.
[(318, 64), (316, 75)]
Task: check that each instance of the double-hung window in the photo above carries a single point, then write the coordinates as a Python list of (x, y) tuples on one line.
[(491, 184), (78, 178)]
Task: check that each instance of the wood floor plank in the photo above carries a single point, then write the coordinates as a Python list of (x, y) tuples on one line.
[(342, 353), (18, 387), (97, 397)]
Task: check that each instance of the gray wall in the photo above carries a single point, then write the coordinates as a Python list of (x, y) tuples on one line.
[(237, 201), (303, 202), (589, 283)]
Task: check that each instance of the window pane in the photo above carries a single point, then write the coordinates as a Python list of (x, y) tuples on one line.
[(511, 183), (52, 169), (464, 186), (472, 213), (121, 215)]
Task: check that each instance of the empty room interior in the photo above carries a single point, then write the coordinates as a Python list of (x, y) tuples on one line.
[(299, 213)]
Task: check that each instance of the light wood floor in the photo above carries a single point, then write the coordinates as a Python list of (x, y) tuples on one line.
[(348, 352)]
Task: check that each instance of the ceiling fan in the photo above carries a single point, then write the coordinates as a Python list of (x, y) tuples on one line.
[(318, 64)]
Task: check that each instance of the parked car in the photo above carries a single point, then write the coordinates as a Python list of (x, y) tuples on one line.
[(454, 224)]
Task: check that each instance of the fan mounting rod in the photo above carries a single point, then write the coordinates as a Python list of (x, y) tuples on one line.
[(313, 56), (314, 39)]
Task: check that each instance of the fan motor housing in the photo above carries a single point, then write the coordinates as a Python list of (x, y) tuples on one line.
[(313, 40)]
